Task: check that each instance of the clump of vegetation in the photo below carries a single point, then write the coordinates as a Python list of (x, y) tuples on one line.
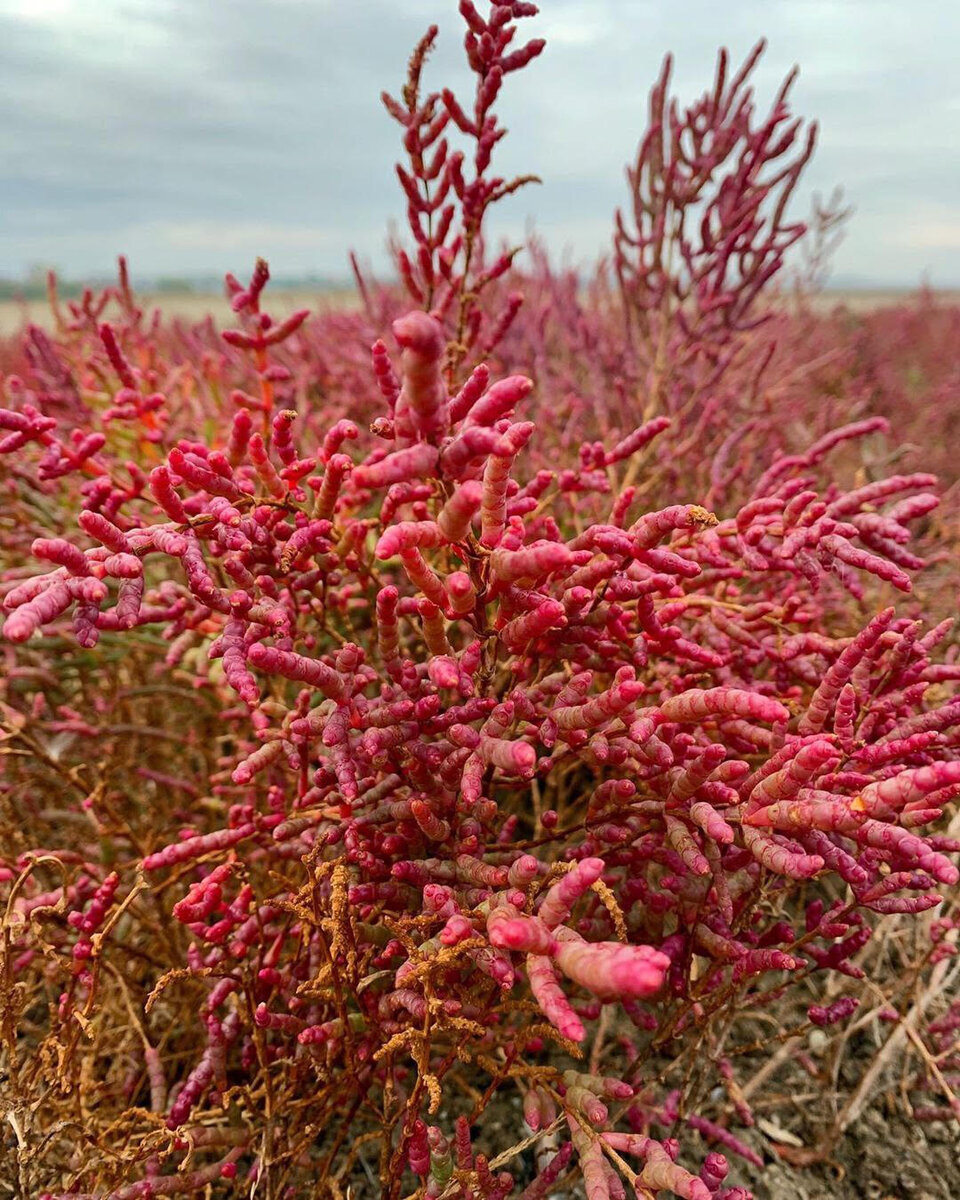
[(494, 693)]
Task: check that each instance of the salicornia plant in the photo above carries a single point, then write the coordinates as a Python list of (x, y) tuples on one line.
[(381, 750)]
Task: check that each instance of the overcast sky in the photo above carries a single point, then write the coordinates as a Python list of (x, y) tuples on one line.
[(195, 134)]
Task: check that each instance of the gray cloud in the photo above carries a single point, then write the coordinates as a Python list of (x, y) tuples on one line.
[(193, 134)]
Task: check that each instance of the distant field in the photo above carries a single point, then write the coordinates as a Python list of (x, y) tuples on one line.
[(193, 306), (867, 299)]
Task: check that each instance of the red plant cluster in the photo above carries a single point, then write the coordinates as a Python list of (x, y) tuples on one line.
[(414, 750)]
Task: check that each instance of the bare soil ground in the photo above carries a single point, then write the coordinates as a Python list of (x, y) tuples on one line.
[(884, 1155), (881, 1158)]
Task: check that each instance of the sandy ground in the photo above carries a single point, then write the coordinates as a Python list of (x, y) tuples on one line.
[(195, 305)]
